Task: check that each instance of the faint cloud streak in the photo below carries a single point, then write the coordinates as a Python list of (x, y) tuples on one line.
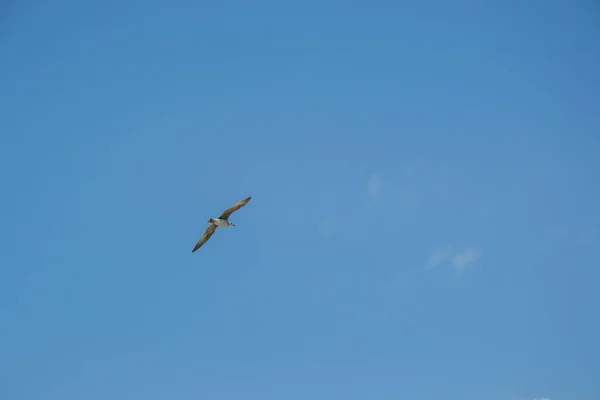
[(459, 260), (439, 256), (462, 260)]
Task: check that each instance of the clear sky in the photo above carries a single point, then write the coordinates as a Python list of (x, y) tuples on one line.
[(424, 222)]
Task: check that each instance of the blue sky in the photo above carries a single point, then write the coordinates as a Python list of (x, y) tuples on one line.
[(424, 219)]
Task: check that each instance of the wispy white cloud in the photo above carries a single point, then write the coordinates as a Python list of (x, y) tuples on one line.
[(439, 256), (462, 260), (374, 186)]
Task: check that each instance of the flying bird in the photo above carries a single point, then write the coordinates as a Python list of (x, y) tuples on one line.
[(223, 222)]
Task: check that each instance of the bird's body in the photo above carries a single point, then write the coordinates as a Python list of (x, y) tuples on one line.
[(223, 222)]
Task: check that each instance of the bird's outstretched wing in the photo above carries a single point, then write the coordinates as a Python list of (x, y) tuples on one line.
[(230, 211), (207, 234)]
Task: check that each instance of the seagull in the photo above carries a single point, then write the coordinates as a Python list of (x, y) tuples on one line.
[(222, 222)]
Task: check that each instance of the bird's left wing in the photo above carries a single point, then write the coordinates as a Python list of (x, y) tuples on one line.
[(207, 234)]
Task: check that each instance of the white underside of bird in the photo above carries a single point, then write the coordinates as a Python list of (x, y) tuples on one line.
[(223, 223)]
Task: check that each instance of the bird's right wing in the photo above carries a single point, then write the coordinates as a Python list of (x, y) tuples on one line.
[(236, 207), (207, 234)]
